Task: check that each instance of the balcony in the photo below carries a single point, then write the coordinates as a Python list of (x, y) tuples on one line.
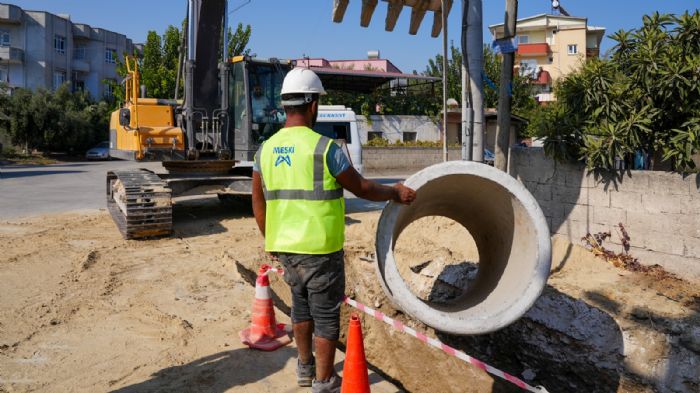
[(592, 52), (535, 49), (10, 14), (80, 65), (81, 30), (9, 55)]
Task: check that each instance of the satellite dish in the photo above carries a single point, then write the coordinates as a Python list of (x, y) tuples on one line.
[(555, 3)]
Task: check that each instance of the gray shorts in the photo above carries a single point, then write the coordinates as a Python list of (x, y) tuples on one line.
[(318, 286)]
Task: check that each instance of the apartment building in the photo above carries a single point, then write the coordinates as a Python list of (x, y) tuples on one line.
[(41, 50), (552, 46)]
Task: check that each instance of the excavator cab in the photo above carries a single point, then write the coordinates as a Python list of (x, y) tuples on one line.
[(255, 110)]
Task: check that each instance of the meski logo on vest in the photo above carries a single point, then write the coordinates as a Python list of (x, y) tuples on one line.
[(283, 154)]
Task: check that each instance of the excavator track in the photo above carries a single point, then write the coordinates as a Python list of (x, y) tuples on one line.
[(140, 203)]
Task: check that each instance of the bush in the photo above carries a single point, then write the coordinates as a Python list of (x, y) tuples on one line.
[(54, 121), (645, 98), (382, 142)]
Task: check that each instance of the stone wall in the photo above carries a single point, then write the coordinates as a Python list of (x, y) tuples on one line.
[(659, 210), (404, 160)]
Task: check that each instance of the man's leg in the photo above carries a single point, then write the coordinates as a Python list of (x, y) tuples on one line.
[(325, 358), (326, 290), (302, 322), (302, 333)]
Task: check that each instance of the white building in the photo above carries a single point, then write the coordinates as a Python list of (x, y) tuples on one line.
[(42, 50)]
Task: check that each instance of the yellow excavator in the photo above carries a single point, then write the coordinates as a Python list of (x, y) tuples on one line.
[(209, 138)]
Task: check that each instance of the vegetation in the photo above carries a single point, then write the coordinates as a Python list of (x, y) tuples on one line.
[(645, 98), (425, 99), (159, 63), (382, 142), (523, 101), (53, 121)]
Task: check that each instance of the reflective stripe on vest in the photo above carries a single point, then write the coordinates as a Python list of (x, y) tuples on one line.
[(318, 193)]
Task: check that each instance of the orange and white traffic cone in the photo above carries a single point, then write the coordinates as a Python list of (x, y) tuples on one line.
[(355, 378), (264, 333)]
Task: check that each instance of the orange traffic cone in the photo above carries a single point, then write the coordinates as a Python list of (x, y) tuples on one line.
[(264, 333), (355, 378)]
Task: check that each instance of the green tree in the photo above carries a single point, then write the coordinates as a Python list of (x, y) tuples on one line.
[(645, 98), (238, 40), (523, 100)]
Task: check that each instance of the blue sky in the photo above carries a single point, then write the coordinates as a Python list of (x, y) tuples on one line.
[(291, 29)]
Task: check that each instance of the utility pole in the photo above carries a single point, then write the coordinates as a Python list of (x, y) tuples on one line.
[(472, 81), (444, 80), (505, 91)]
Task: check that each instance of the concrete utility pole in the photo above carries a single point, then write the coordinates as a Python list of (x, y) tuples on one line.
[(444, 80), (505, 91), (472, 81)]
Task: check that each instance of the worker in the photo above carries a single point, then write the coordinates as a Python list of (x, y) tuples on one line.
[(298, 181), (259, 104)]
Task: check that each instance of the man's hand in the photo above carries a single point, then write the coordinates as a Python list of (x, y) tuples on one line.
[(403, 194)]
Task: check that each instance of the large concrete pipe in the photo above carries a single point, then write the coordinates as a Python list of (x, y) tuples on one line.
[(508, 228)]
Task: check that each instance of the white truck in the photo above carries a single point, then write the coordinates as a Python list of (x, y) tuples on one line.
[(340, 123)]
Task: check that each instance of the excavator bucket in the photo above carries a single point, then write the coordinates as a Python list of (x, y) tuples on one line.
[(394, 7)]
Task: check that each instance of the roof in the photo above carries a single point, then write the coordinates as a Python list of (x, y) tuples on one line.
[(541, 16), (361, 81)]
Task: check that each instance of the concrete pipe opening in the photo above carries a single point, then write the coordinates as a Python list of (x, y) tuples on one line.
[(510, 233)]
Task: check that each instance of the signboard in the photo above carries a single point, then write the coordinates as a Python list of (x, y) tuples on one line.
[(504, 45)]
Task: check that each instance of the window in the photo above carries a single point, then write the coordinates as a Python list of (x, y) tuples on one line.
[(59, 78), (4, 38), (572, 49), (4, 75), (523, 39), (334, 130), (59, 44), (110, 56), (528, 68), (374, 135), (409, 136), (79, 53), (109, 88)]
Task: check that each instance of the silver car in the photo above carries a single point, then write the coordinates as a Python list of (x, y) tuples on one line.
[(99, 152)]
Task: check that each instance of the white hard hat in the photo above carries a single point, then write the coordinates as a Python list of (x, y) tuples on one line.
[(301, 81)]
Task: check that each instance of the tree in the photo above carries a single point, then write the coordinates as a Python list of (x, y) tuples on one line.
[(644, 99), (523, 100), (238, 40), (153, 74), (159, 62)]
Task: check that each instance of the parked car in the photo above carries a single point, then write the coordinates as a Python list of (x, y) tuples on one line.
[(99, 152)]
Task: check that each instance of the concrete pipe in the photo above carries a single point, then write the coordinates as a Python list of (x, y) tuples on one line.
[(510, 233)]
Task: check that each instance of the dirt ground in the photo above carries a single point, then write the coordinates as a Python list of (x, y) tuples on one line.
[(83, 310)]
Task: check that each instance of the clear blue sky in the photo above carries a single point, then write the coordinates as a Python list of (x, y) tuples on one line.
[(290, 29)]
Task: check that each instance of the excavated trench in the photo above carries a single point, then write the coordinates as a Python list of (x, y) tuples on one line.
[(472, 267)]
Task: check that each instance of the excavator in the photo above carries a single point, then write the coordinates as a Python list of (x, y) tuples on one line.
[(230, 106)]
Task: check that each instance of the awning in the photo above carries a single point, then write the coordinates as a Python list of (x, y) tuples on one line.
[(362, 81)]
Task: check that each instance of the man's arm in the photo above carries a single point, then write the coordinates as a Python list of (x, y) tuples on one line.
[(259, 202), (373, 191)]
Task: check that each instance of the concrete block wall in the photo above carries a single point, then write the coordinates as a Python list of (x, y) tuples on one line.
[(661, 211), (403, 160)]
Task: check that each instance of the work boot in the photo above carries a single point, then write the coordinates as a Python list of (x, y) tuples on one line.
[(306, 372), (332, 385)]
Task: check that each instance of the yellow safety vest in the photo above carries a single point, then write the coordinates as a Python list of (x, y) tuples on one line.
[(305, 206)]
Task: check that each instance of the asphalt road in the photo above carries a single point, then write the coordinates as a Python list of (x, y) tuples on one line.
[(30, 190)]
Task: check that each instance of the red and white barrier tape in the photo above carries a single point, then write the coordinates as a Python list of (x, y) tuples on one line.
[(398, 325)]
